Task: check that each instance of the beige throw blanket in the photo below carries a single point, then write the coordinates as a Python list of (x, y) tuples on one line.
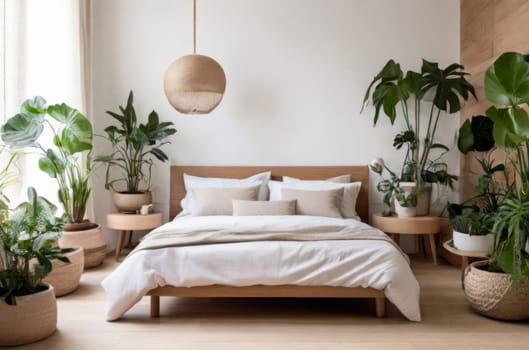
[(259, 230)]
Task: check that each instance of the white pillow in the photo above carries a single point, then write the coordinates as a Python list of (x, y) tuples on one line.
[(191, 182), (351, 191), (341, 179)]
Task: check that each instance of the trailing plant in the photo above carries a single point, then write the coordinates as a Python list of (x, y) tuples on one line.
[(507, 85), (386, 186), (26, 250), (133, 147), (72, 139), (435, 89)]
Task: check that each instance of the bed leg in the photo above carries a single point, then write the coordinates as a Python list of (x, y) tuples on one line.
[(380, 307), (155, 306)]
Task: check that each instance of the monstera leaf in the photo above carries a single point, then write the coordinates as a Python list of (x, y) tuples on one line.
[(507, 80), (511, 126)]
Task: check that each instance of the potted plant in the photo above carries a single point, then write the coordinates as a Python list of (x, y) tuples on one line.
[(134, 148), (499, 288), (386, 186), (472, 220), (438, 91), (72, 138), (28, 307)]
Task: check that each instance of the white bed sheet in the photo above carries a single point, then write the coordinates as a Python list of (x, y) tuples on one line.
[(348, 263)]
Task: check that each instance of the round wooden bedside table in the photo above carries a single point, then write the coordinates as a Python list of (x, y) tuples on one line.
[(418, 225), (126, 223)]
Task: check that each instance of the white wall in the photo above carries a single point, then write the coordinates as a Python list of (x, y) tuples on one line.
[(296, 72)]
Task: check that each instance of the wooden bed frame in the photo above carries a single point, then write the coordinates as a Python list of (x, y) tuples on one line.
[(358, 173)]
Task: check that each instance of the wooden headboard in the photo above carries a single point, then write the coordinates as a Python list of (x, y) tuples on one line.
[(358, 173)]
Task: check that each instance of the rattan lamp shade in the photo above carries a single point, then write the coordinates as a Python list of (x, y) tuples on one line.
[(194, 84)]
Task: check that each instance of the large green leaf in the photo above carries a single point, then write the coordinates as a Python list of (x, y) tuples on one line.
[(22, 130), (511, 126), (507, 80), (52, 164), (76, 134)]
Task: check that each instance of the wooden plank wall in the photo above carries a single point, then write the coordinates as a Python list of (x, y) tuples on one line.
[(488, 28)]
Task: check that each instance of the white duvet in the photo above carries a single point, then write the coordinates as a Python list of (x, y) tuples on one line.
[(375, 263)]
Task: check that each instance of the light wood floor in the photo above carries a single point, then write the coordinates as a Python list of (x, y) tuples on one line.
[(282, 324)]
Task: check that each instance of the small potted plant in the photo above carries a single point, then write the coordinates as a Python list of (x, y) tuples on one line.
[(472, 230), (439, 91), (72, 139), (28, 307), (134, 148)]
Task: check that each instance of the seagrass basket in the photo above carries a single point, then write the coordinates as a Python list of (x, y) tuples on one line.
[(494, 295)]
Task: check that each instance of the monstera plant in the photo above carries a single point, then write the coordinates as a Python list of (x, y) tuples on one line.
[(435, 91), (67, 160)]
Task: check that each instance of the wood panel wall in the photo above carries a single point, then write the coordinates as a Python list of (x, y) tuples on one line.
[(488, 28)]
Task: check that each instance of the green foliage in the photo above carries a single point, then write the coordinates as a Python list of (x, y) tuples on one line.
[(406, 199), (26, 251), (472, 221), (393, 90), (71, 139), (133, 146), (507, 84), (476, 135)]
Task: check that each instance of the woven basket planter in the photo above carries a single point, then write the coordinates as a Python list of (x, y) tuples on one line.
[(492, 294), (65, 277), (33, 318), (92, 241)]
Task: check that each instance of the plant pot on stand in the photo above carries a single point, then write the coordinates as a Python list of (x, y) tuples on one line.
[(131, 202), (473, 243), (424, 196)]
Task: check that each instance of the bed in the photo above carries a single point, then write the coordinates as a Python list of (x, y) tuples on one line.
[(402, 287)]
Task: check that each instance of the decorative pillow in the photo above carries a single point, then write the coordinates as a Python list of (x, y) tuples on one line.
[(343, 179), (351, 191), (317, 203), (250, 208), (217, 201), (191, 182)]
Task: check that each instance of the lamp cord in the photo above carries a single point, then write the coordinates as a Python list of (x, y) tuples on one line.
[(194, 26)]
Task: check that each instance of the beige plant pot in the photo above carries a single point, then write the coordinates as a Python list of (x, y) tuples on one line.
[(92, 241), (424, 197), (65, 277), (131, 202), (493, 294), (33, 318)]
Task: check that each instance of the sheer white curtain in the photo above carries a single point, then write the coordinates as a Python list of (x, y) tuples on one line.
[(46, 52)]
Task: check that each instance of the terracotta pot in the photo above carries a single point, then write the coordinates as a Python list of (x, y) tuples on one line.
[(474, 243), (33, 318), (65, 277), (493, 294), (92, 241), (131, 202)]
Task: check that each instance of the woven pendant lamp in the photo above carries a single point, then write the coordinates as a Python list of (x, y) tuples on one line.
[(194, 84)]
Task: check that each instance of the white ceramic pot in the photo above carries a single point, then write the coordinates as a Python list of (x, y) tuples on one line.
[(474, 243), (405, 212), (33, 318)]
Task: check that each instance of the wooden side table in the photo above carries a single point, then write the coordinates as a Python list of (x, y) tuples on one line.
[(418, 225), (125, 224)]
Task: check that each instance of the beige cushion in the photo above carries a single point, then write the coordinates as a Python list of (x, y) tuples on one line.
[(249, 208), (317, 203), (217, 201), (339, 179)]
